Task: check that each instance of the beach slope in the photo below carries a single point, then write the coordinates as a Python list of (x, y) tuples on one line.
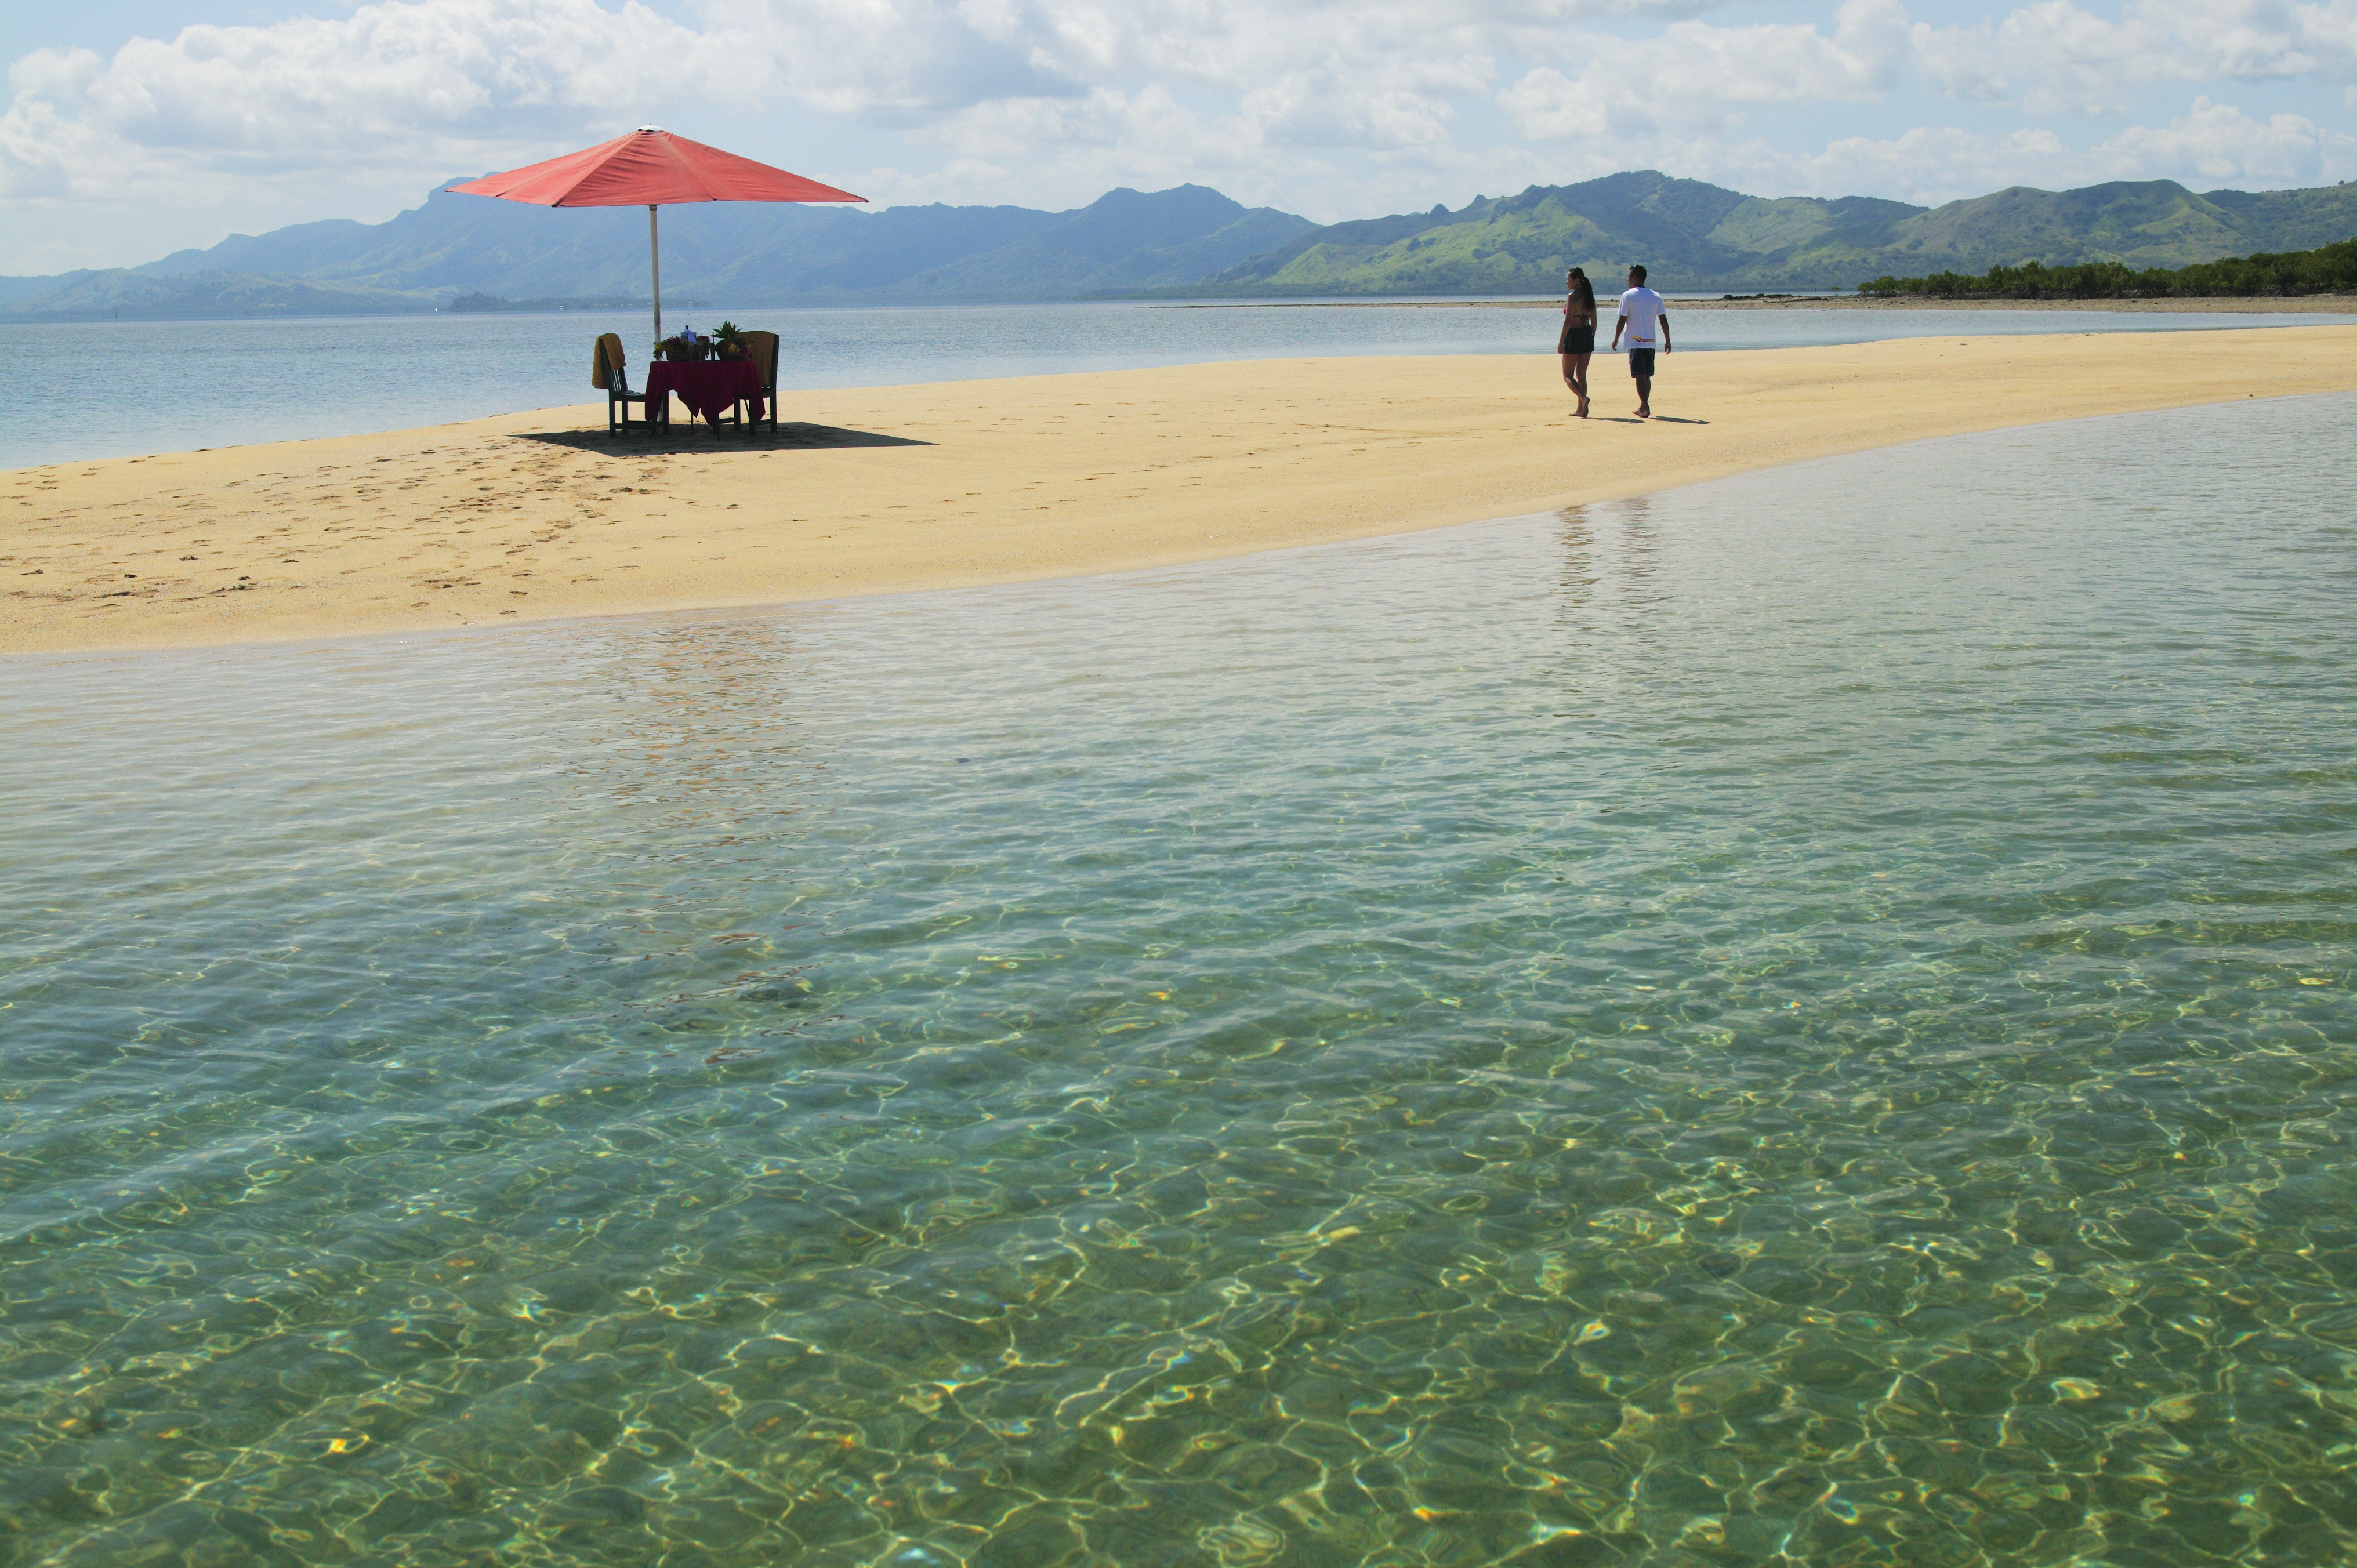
[(538, 516)]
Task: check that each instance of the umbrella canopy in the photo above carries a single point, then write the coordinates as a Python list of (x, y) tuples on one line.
[(651, 168)]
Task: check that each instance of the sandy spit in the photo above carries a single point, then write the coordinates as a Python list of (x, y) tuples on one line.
[(2304, 304), (538, 516)]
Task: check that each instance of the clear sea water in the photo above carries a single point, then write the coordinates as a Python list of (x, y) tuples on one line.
[(137, 387), (1805, 1019)]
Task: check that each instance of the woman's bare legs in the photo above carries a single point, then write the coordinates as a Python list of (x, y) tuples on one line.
[(1574, 376)]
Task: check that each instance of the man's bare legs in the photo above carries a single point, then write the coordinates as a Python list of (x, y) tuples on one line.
[(1574, 376), (1645, 397)]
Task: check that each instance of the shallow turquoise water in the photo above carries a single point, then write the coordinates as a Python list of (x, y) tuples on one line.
[(1799, 1020)]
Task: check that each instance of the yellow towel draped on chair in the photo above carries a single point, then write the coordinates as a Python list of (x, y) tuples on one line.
[(606, 361)]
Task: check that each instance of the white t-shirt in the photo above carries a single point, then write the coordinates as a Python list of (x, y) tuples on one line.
[(1644, 309)]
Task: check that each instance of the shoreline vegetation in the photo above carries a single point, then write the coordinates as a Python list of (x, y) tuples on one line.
[(2327, 270), (541, 516)]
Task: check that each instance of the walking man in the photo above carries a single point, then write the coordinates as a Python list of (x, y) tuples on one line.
[(1641, 311)]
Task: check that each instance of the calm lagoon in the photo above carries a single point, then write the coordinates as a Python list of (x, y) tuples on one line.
[(1805, 1019)]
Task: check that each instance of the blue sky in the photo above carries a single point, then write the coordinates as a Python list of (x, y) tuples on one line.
[(132, 129)]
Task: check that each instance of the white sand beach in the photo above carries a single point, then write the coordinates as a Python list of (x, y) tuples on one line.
[(539, 516)]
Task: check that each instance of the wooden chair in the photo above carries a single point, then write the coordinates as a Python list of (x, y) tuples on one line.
[(764, 348), (607, 373)]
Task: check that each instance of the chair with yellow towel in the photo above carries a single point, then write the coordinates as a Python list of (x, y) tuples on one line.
[(607, 373), (761, 347)]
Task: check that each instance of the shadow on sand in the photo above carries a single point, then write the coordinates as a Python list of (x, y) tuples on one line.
[(1650, 419), (685, 437)]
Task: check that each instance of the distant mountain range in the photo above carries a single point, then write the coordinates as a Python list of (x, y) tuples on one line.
[(475, 253), (1697, 236), (729, 253)]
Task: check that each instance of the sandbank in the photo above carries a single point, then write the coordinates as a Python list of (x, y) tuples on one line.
[(2323, 304), (537, 516)]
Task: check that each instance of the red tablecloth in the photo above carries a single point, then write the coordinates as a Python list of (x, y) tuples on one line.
[(708, 387)]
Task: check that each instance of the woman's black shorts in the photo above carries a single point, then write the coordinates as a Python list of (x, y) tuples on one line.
[(1577, 341)]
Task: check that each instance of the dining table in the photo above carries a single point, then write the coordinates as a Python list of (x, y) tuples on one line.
[(709, 387)]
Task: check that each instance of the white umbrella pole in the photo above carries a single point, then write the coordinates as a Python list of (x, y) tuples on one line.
[(654, 265)]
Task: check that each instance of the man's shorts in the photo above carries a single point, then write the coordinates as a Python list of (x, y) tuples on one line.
[(1641, 361)]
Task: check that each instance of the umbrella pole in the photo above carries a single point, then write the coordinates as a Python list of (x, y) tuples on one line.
[(654, 266)]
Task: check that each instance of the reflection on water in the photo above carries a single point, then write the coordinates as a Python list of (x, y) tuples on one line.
[(1800, 1020)]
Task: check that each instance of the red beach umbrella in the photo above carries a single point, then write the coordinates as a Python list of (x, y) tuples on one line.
[(650, 167)]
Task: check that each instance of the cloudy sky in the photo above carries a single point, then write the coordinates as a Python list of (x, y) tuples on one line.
[(138, 126)]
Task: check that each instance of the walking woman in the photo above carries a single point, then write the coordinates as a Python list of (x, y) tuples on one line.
[(1579, 339)]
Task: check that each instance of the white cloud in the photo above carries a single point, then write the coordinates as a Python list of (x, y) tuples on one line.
[(426, 84), (1929, 165), (1548, 106), (1388, 106), (2056, 59), (911, 57), (2050, 58), (55, 73), (1696, 75), (1332, 107), (2217, 145), (1860, 59), (2212, 144)]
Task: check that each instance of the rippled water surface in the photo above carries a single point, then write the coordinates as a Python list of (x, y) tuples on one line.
[(1800, 1020)]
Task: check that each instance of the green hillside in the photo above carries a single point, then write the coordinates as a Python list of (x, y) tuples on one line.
[(1702, 237), (2146, 223)]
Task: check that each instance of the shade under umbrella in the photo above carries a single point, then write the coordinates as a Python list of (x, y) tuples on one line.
[(650, 167)]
